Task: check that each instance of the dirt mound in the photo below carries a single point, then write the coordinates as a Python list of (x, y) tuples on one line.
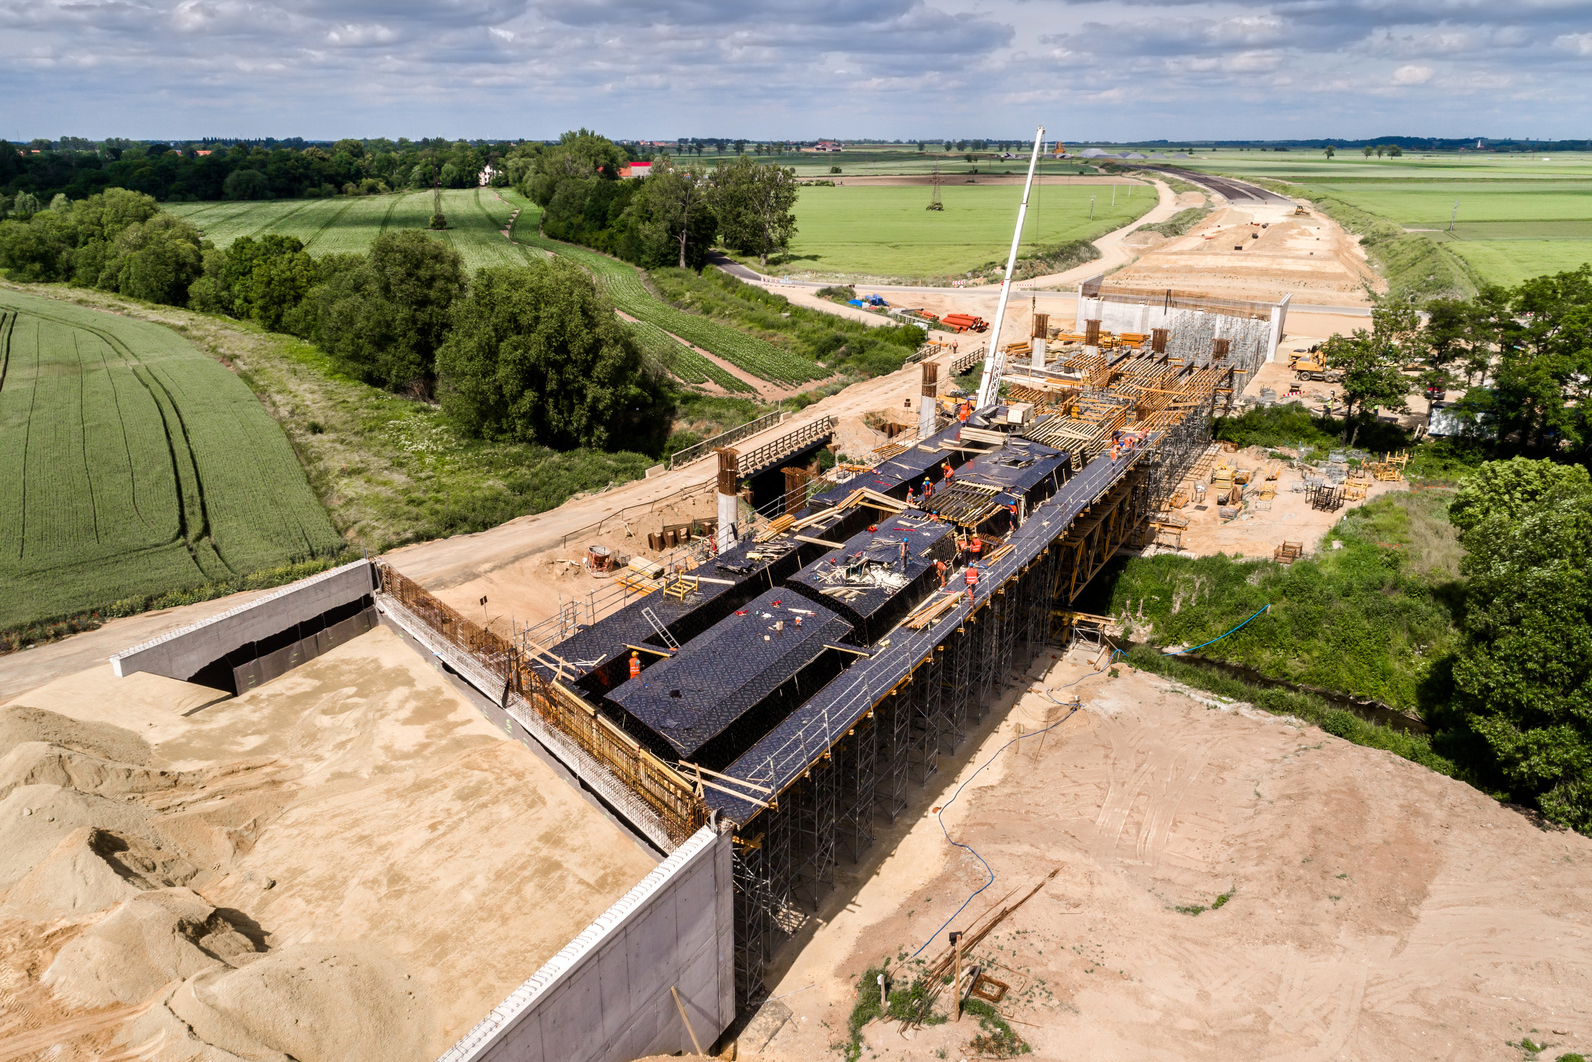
[(146, 943), (76, 880), (19, 724), (47, 763), (342, 1002), (34, 819)]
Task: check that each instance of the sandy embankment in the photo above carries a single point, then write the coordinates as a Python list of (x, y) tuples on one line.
[(347, 863), (1375, 910)]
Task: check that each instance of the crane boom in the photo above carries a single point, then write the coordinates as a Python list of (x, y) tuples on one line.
[(989, 384)]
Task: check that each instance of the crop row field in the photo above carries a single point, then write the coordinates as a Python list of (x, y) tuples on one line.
[(131, 464), (477, 218), (622, 284), (1513, 216)]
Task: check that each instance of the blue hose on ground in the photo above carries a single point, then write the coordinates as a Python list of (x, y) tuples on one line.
[(1219, 637), (938, 814)]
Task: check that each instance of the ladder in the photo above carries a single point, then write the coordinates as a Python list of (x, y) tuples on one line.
[(660, 629)]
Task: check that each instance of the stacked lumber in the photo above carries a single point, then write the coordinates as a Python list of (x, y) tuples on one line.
[(932, 609)]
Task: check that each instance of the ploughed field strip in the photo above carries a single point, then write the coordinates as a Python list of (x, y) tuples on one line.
[(131, 464), (799, 679)]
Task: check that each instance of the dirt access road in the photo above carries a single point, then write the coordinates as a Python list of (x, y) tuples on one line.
[(1374, 909)]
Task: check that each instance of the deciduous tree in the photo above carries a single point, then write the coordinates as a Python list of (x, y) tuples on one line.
[(536, 354), (755, 206), (1523, 678), (1371, 363)]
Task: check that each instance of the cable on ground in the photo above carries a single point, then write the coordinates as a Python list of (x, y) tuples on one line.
[(1219, 637), (938, 815)]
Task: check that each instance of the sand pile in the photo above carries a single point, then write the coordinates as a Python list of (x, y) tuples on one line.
[(299, 872), (148, 941), (82, 844), (344, 1002)]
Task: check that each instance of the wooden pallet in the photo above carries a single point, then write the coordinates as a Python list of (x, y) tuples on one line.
[(1288, 552)]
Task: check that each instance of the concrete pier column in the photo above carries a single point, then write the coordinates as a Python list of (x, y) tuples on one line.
[(729, 502), (1040, 332), (931, 392)]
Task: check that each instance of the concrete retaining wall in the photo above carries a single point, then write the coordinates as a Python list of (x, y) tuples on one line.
[(185, 651), (605, 997)]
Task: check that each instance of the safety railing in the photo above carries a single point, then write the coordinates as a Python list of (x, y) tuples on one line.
[(753, 461), (724, 438)]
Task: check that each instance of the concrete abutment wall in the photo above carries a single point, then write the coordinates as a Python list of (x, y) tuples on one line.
[(606, 997), (273, 633)]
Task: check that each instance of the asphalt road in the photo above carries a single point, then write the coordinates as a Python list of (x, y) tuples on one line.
[(1235, 191)]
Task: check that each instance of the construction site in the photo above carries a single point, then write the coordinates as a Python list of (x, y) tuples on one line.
[(733, 777)]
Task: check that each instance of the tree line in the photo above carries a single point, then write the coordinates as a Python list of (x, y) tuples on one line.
[(531, 353), (30, 178), (1523, 355), (674, 216)]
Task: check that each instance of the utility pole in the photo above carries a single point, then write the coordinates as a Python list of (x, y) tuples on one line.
[(1091, 208), (1113, 195), (1452, 216)]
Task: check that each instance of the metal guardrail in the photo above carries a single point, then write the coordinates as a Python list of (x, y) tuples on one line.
[(724, 438)]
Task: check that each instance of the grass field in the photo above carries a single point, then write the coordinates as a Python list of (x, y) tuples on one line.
[(476, 220), (131, 465), (1519, 216), (886, 230)]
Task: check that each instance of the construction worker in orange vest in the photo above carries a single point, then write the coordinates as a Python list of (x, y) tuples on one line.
[(635, 664), (964, 411), (972, 581), (1012, 508), (939, 567), (945, 466), (975, 547), (928, 489)]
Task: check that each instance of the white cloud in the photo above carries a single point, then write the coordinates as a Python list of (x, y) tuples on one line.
[(1575, 43), (907, 68)]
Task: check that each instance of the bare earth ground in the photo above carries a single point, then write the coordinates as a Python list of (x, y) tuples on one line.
[(1310, 256), (386, 852), (1376, 911)]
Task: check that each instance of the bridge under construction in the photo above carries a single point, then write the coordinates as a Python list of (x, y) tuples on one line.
[(793, 682)]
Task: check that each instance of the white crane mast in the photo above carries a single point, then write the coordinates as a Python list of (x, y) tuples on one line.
[(989, 385)]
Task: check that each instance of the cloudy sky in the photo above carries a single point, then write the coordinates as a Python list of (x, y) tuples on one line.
[(1132, 69)]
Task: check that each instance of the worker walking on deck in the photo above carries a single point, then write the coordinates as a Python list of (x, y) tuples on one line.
[(972, 581), (635, 664), (903, 554)]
